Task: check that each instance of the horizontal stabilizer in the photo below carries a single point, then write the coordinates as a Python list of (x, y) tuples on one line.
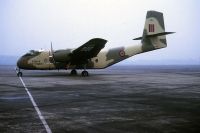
[(154, 35)]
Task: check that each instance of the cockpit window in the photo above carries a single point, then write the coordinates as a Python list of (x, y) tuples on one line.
[(32, 53)]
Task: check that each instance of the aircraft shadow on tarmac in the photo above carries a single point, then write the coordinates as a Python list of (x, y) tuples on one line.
[(64, 74), (92, 73)]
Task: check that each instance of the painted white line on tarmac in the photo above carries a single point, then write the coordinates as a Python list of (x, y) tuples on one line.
[(37, 108)]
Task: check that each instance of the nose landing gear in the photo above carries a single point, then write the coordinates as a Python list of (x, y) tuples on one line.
[(19, 74)]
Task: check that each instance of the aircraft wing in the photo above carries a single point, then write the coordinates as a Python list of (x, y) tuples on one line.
[(88, 50)]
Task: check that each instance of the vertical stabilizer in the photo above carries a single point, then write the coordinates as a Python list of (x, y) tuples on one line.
[(154, 32)]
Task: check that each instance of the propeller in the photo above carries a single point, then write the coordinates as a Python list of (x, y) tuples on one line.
[(51, 55)]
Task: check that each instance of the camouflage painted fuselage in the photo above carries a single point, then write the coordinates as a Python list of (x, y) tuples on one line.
[(41, 60), (153, 38)]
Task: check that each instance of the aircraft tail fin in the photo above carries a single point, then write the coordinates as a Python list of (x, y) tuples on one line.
[(154, 35)]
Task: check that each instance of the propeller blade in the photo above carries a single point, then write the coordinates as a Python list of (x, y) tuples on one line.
[(51, 55)]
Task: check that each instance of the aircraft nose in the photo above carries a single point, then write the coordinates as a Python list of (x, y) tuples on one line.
[(20, 62)]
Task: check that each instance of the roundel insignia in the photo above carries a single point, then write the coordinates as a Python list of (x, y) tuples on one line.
[(122, 53)]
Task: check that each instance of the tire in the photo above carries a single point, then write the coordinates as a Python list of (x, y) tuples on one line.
[(73, 72), (85, 74), (19, 74)]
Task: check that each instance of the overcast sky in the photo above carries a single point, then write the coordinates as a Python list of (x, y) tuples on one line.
[(33, 24)]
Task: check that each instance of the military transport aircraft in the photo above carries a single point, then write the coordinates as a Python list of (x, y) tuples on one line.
[(90, 56)]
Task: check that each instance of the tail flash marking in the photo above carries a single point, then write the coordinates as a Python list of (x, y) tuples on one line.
[(151, 28)]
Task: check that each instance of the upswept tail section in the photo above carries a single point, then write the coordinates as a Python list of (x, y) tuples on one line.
[(154, 32), (154, 37)]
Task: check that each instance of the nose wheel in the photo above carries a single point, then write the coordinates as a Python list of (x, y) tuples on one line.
[(19, 74)]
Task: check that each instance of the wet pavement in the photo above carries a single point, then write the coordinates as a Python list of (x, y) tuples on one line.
[(120, 99)]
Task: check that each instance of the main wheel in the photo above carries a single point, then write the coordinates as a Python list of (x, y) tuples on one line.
[(73, 72), (85, 74), (19, 74)]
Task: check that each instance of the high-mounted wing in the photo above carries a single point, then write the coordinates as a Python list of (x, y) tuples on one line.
[(87, 51), (90, 49)]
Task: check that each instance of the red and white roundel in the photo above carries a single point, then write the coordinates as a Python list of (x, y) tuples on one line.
[(122, 53)]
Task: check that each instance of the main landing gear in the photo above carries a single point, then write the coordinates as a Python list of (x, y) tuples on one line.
[(84, 73), (73, 72)]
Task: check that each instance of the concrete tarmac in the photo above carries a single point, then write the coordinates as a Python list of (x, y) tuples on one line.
[(120, 99)]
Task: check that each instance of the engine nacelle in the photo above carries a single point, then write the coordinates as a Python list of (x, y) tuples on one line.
[(63, 56)]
